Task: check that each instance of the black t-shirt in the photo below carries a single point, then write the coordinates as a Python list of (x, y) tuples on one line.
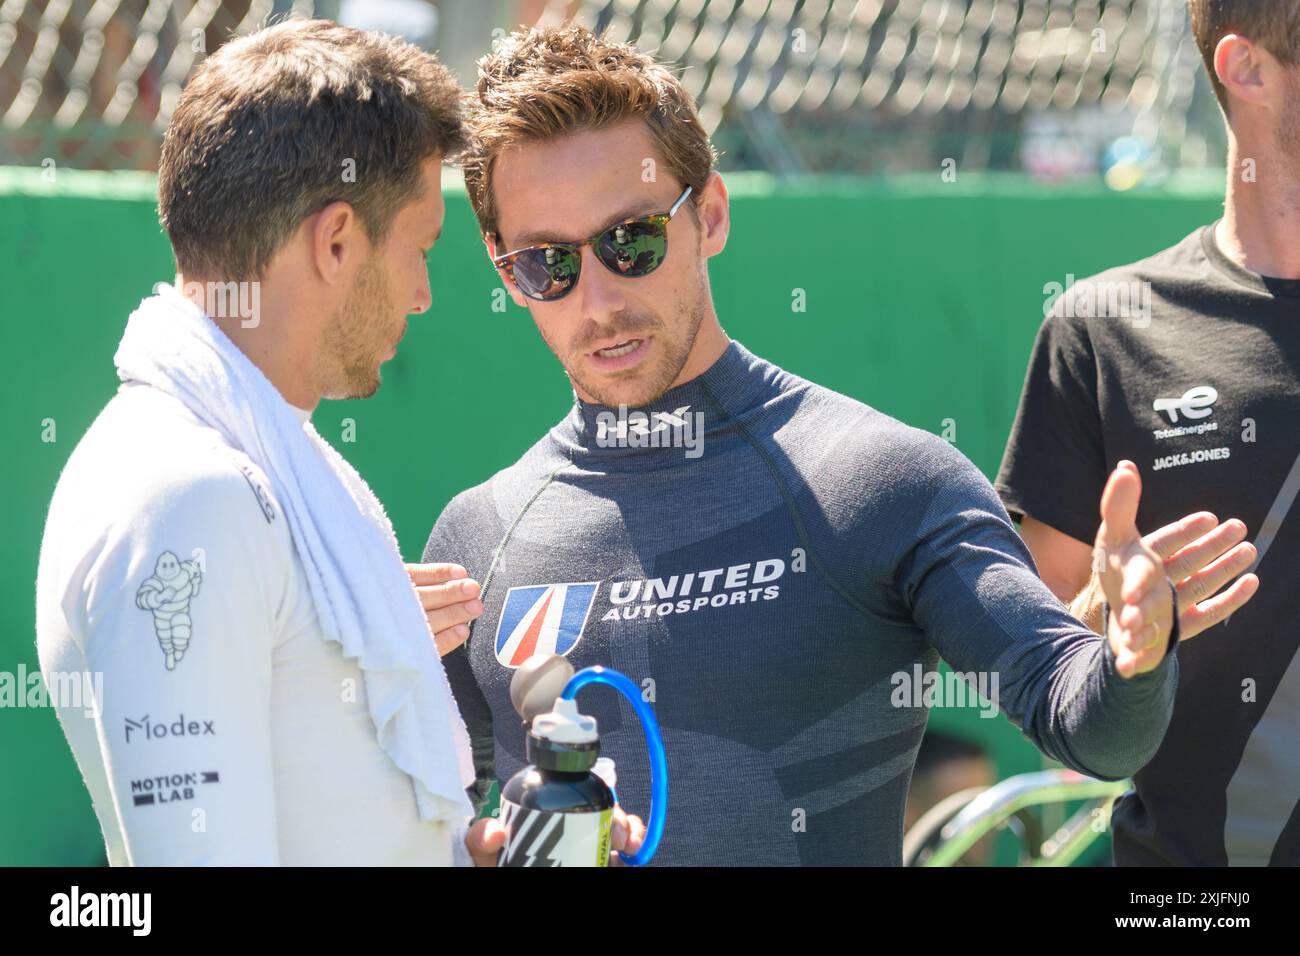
[(1188, 365)]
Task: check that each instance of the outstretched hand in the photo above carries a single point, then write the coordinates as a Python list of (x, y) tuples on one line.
[(1133, 579), (1201, 556)]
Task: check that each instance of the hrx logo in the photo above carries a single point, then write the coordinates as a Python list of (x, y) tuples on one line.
[(680, 428)]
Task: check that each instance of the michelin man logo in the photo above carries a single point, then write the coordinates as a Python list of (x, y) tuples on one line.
[(167, 594)]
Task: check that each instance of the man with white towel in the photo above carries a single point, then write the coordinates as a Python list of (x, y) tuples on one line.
[(271, 689)]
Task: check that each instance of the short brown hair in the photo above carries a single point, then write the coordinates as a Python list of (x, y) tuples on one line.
[(263, 133), (549, 82), (1273, 24)]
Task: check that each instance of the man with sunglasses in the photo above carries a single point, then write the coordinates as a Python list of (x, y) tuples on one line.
[(769, 589)]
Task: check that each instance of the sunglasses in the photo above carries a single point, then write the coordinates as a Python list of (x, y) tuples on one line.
[(632, 248)]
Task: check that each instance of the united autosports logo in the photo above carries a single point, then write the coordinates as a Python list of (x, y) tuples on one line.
[(550, 618), (543, 619)]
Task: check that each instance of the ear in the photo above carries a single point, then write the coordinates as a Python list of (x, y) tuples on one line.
[(337, 241), (713, 212), (1242, 69), (520, 299)]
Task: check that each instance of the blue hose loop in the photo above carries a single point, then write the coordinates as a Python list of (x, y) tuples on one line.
[(654, 742)]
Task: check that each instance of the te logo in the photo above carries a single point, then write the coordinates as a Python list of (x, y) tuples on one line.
[(1196, 403)]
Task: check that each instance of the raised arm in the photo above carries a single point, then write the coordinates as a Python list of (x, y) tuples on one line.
[(1098, 705)]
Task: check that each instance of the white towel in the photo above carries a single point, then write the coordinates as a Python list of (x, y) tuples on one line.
[(363, 596)]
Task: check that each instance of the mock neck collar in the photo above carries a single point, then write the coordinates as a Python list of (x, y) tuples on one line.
[(681, 416)]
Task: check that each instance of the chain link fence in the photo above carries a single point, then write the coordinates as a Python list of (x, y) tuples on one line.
[(788, 86)]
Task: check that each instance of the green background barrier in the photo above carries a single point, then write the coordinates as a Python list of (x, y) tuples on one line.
[(918, 297)]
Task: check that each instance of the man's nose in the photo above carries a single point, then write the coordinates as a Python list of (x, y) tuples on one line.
[(600, 293), (423, 296)]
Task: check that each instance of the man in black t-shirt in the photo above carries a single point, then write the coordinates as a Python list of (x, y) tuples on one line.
[(1187, 363)]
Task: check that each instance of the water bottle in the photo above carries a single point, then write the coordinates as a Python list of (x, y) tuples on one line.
[(558, 811)]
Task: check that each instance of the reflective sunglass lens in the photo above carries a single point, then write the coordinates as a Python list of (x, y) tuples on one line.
[(633, 248), (546, 273)]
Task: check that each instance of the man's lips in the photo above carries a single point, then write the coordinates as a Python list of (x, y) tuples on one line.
[(620, 354)]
